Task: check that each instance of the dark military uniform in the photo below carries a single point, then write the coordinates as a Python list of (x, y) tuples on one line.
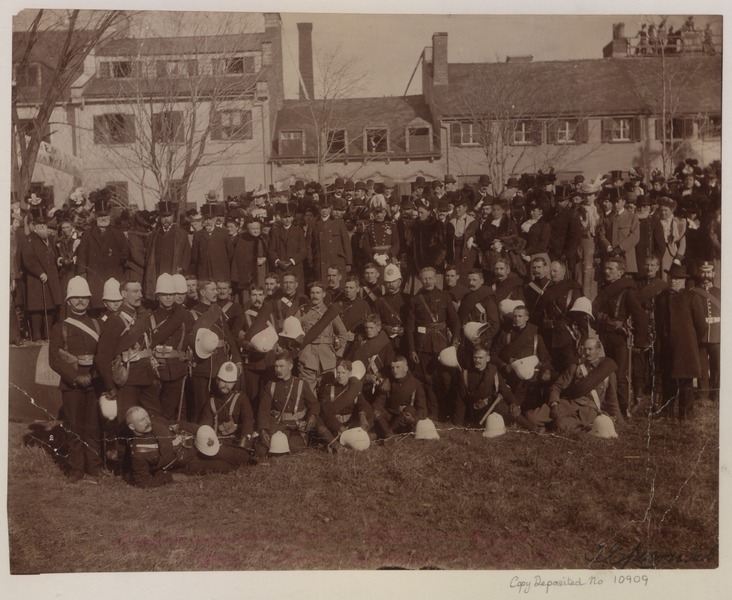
[(127, 335), (286, 406), (340, 406), (476, 393), (73, 343), (432, 325), (403, 397), (550, 315), (615, 305), (171, 350), (256, 364), (380, 238), (231, 417)]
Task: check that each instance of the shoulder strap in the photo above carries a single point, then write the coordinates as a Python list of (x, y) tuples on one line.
[(595, 397), (227, 306), (536, 343), (297, 398), (65, 334), (432, 315), (83, 326), (153, 323), (232, 405)]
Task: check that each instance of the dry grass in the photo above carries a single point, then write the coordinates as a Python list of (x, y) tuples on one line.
[(648, 499)]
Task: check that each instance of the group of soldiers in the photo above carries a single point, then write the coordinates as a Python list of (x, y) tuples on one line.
[(342, 316)]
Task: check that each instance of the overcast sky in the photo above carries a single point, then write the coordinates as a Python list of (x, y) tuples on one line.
[(387, 47)]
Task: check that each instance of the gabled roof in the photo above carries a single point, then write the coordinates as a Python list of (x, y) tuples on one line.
[(248, 42), (354, 114), (46, 51), (593, 87)]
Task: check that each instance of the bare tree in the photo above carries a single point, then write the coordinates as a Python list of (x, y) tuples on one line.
[(338, 78), (506, 116), (187, 110), (80, 32)]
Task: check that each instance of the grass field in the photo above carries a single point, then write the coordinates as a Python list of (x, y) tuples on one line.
[(648, 499)]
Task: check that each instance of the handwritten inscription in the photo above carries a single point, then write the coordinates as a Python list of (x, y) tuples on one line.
[(543, 584)]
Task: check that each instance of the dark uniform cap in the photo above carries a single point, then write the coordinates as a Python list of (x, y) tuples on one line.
[(677, 272)]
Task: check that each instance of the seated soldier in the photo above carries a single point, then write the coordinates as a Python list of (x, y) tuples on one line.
[(580, 394), (376, 353), (229, 412), (286, 404), (342, 406), (164, 451), (400, 404), (522, 357), (482, 390)]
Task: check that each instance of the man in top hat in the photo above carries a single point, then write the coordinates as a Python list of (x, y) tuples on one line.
[(73, 343), (103, 250), (418, 189), (287, 249), (620, 234), (681, 325), (450, 183), (438, 191), (331, 243), (388, 192), (168, 249), (43, 288), (483, 196), (709, 346), (428, 241), (298, 195), (650, 238), (211, 250)]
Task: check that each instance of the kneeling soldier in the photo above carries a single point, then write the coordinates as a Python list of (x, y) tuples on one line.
[(400, 404)]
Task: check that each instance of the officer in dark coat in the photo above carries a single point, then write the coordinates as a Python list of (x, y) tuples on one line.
[(168, 249), (212, 249), (43, 288), (287, 249), (170, 325), (392, 307), (432, 325), (103, 251), (622, 323), (73, 344), (331, 241), (681, 325), (428, 241)]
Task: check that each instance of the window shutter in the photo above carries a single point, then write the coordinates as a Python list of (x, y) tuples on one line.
[(176, 124), (658, 128), (582, 133), (99, 129), (537, 133), (156, 129), (455, 134), (551, 132), (246, 125), (192, 67), (104, 70), (129, 136), (688, 128), (607, 130), (215, 125), (160, 68), (636, 133)]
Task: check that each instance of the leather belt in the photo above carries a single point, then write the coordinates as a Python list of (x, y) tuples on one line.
[(85, 360), (135, 355)]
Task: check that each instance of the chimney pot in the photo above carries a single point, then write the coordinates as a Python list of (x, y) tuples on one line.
[(305, 59)]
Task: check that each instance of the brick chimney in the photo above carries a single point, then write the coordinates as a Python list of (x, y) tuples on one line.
[(618, 46), (305, 59), (439, 58)]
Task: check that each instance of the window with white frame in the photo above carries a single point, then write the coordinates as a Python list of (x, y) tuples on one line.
[(176, 68), (463, 134), (119, 69), (232, 125), (621, 130), (235, 65), (566, 129), (522, 133)]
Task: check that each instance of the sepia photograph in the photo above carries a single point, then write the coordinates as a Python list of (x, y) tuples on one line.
[(296, 293)]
